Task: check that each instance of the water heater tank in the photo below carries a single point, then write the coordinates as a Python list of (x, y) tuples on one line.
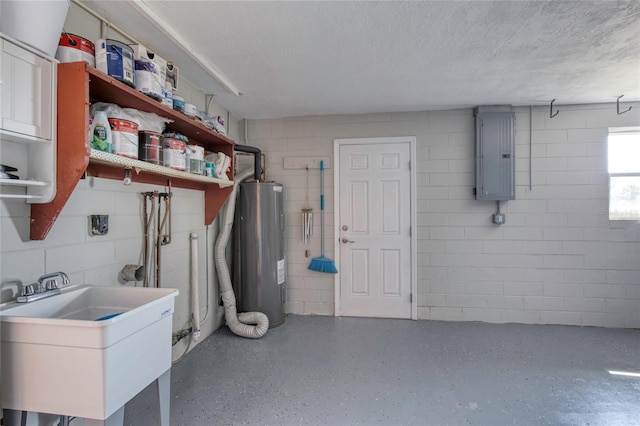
[(259, 254)]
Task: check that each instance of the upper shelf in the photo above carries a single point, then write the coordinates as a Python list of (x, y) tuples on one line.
[(101, 89)]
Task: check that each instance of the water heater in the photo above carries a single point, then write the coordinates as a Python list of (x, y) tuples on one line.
[(259, 250)]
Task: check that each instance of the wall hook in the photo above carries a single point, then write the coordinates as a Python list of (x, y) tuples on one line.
[(551, 114), (127, 177), (618, 106)]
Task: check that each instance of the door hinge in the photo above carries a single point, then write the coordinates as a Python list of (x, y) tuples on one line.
[(409, 165), (410, 297)]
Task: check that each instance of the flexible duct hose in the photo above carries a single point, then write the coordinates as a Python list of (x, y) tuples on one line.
[(242, 324)]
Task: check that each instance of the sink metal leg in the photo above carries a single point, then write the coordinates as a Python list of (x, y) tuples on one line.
[(116, 419), (14, 417), (163, 384)]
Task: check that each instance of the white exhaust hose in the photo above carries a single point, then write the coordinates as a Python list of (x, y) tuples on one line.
[(247, 324)]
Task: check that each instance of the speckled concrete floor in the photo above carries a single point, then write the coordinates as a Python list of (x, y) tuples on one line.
[(355, 371)]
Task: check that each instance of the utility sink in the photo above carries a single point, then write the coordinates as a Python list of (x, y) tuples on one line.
[(86, 351)]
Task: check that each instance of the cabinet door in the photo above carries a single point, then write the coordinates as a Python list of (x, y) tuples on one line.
[(27, 93)]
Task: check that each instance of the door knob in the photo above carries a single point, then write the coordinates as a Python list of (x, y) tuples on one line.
[(346, 240)]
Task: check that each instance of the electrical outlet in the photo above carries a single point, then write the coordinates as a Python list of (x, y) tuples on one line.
[(98, 224), (498, 218)]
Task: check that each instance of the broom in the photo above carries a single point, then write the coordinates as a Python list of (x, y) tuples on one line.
[(322, 263)]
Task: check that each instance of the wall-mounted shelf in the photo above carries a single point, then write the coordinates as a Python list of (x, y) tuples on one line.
[(106, 159), (79, 84)]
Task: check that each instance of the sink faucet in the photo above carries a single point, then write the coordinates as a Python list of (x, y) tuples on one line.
[(48, 281), (46, 286)]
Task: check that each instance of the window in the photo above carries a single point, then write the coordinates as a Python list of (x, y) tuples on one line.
[(624, 174)]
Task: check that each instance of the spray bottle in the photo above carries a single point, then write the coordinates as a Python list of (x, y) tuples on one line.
[(101, 132)]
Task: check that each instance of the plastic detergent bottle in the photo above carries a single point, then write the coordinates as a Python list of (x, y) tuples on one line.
[(101, 132)]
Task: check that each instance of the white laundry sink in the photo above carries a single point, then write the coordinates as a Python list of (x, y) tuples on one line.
[(86, 351)]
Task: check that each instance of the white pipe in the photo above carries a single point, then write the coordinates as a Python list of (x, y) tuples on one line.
[(172, 34), (105, 23), (195, 296), (530, 147), (243, 324)]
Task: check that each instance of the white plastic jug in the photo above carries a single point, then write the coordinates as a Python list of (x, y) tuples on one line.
[(101, 138)]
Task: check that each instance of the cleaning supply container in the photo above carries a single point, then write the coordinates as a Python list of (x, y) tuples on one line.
[(196, 159), (100, 134), (174, 153), (150, 146), (178, 103), (115, 59), (147, 79), (73, 48), (124, 135)]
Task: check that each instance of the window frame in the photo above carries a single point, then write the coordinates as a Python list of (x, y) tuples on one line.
[(620, 130)]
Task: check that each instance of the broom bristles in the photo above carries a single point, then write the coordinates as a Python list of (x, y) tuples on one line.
[(323, 264)]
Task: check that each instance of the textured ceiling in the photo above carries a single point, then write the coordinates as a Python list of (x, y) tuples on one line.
[(317, 58)]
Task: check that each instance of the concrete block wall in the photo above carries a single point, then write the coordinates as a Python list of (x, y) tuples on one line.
[(557, 260), (98, 259)]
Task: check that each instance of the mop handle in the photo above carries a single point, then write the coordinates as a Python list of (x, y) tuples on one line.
[(322, 207), (321, 185)]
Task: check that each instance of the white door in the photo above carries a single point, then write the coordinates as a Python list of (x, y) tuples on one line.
[(373, 191)]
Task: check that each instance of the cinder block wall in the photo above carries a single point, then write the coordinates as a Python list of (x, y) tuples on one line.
[(557, 260), (99, 259)]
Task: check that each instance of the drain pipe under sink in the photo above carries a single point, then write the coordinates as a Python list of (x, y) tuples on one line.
[(247, 324)]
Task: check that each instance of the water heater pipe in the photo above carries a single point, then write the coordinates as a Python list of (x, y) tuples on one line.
[(195, 296), (247, 324), (257, 167)]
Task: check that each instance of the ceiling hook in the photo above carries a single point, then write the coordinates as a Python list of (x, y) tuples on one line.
[(551, 114), (618, 106)]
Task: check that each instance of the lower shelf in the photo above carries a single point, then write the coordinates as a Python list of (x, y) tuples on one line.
[(137, 165)]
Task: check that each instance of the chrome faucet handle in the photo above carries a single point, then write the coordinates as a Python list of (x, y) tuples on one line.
[(27, 290), (65, 279), (51, 284)]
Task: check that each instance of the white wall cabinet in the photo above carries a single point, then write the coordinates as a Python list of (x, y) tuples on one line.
[(28, 121)]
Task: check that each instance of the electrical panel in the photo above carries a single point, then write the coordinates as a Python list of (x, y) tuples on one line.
[(495, 153)]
